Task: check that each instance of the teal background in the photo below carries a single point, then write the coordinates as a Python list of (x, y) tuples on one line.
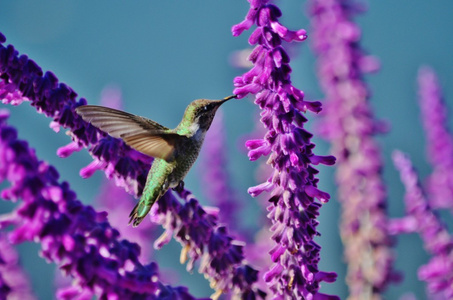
[(163, 54)]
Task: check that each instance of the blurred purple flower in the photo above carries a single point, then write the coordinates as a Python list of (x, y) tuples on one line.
[(112, 97), (213, 170), (202, 238), (14, 283), (349, 124), (72, 235), (117, 203), (438, 272), (439, 140), (292, 185), (239, 59)]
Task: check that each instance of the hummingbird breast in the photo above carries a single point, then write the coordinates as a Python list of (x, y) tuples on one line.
[(185, 157)]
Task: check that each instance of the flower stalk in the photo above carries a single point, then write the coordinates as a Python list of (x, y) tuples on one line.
[(293, 194)]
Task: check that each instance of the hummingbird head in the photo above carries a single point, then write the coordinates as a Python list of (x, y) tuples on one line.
[(201, 112)]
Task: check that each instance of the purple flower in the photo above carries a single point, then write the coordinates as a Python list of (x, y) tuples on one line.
[(349, 125), (292, 186), (438, 272), (78, 239), (14, 283), (439, 140)]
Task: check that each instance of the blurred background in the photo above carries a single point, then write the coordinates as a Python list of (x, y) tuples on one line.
[(164, 54)]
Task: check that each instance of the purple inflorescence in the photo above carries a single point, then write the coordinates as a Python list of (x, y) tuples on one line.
[(74, 236), (439, 140), (349, 124), (438, 272), (292, 186)]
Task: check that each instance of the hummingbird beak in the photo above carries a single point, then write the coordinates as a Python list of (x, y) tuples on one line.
[(226, 99)]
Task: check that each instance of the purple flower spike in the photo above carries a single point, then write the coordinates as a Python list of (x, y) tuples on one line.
[(438, 272), (19, 75), (292, 185), (75, 237), (439, 140), (349, 125)]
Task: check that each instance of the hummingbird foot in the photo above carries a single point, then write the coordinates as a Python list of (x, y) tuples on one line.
[(180, 187)]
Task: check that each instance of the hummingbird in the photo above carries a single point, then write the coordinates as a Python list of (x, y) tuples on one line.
[(174, 150)]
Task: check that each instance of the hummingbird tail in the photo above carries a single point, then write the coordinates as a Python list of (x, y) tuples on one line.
[(139, 213)]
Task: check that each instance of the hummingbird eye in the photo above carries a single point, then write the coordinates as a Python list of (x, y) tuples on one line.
[(205, 108)]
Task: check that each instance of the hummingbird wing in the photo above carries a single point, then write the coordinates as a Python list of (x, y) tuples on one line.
[(140, 133)]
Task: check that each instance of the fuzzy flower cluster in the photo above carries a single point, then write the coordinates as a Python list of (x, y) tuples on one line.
[(438, 140), (421, 218), (14, 282), (348, 123), (293, 185), (213, 162), (422, 201)]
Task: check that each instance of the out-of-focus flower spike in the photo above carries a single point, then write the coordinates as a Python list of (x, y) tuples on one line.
[(439, 139), (213, 162), (438, 272), (348, 123)]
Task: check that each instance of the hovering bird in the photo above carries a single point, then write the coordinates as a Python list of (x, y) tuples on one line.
[(174, 150)]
